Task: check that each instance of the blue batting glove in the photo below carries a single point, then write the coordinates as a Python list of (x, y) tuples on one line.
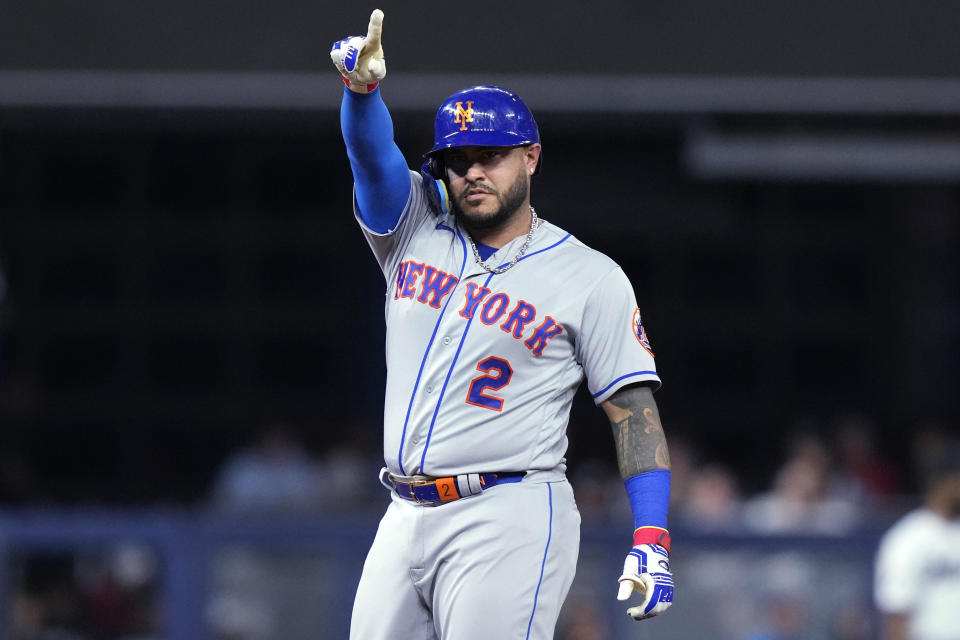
[(360, 59)]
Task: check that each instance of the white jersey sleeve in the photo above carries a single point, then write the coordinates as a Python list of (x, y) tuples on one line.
[(897, 574), (613, 347), (390, 246)]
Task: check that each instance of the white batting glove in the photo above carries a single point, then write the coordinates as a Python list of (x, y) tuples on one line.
[(360, 60), (647, 571)]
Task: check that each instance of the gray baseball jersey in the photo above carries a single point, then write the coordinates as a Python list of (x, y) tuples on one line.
[(482, 368)]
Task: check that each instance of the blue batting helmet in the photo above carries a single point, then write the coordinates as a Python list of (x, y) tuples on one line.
[(483, 116)]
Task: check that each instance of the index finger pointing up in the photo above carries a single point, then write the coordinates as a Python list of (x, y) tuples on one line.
[(374, 30)]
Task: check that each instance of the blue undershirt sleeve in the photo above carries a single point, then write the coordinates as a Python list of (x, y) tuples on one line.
[(380, 173), (649, 494)]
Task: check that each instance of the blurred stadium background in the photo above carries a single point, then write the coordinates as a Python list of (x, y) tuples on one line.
[(191, 332)]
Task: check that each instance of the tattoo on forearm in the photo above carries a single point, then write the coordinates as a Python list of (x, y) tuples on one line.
[(637, 432)]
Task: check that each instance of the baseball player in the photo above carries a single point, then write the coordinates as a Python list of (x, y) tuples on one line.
[(917, 572), (494, 317)]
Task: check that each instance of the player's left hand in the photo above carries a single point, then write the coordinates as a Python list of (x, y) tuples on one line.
[(647, 571), (360, 59)]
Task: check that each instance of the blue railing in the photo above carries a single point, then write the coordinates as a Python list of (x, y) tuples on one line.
[(726, 584)]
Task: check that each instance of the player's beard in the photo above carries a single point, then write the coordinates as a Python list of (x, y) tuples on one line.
[(509, 204)]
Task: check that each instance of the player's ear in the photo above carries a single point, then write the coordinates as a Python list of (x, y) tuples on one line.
[(531, 156)]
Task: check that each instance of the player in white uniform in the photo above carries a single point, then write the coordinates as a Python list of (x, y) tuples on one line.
[(494, 317), (917, 579)]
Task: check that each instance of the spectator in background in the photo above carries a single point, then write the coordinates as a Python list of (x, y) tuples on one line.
[(685, 455), (347, 484), (862, 470), (803, 499), (257, 595), (275, 474), (852, 620), (712, 503), (785, 619), (917, 578), (584, 619), (595, 481), (931, 448)]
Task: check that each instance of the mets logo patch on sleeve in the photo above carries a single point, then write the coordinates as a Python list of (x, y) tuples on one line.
[(640, 333)]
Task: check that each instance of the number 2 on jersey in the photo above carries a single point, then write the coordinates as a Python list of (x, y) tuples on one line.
[(498, 373)]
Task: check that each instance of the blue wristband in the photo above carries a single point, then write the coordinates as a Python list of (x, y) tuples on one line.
[(649, 494)]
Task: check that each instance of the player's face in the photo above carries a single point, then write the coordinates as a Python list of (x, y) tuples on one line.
[(489, 185)]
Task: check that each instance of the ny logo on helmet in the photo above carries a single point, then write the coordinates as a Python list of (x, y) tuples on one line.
[(464, 115)]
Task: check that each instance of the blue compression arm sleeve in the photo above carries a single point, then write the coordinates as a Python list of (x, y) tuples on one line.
[(380, 172), (649, 494)]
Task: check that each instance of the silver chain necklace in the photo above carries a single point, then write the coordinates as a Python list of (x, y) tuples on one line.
[(516, 258)]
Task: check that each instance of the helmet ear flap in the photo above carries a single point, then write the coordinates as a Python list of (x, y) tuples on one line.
[(435, 187), (434, 167)]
